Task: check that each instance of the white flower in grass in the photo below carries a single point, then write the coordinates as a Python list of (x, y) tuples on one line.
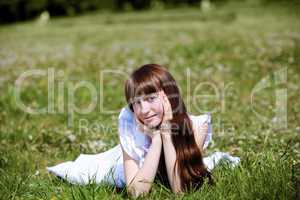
[(37, 173), (96, 145), (30, 137), (205, 5), (71, 138), (43, 18)]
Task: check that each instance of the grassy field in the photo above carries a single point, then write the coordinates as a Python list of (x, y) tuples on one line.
[(223, 53)]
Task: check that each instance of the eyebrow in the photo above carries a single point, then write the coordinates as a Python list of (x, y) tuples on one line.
[(145, 96)]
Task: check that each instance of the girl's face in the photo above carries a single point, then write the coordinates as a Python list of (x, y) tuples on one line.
[(148, 109)]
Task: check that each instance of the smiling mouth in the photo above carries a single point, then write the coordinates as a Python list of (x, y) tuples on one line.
[(150, 117)]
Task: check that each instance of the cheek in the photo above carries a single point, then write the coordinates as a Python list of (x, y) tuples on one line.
[(136, 111), (159, 108)]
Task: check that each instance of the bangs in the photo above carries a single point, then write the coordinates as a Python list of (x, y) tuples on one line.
[(141, 84), (146, 87)]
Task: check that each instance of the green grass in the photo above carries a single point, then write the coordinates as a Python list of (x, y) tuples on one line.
[(232, 47)]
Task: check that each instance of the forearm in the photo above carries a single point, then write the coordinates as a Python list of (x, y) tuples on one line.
[(144, 178), (170, 159)]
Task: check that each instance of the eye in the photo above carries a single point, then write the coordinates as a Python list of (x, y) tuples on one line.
[(151, 98), (136, 102)]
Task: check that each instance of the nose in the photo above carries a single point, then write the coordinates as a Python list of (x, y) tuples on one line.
[(145, 107)]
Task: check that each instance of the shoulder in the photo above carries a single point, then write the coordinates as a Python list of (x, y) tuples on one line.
[(202, 129), (125, 114), (134, 143), (126, 131), (200, 119), (125, 125)]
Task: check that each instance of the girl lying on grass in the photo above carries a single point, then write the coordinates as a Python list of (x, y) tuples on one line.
[(158, 139)]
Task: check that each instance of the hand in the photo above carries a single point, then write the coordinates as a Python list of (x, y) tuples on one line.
[(145, 129), (168, 113)]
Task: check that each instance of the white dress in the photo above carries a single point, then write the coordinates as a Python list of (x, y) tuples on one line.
[(107, 167)]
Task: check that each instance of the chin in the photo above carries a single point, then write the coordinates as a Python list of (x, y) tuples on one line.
[(154, 124)]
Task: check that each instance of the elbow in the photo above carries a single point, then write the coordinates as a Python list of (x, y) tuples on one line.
[(176, 188), (137, 191)]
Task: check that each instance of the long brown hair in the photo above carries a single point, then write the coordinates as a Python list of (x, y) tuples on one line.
[(151, 78)]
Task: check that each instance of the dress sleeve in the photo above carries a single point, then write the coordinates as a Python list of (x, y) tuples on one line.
[(208, 138), (125, 128), (201, 119)]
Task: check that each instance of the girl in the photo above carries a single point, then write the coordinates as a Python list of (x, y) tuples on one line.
[(158, 139)]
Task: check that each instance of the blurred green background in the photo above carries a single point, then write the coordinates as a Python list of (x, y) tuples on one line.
[(20, 10)]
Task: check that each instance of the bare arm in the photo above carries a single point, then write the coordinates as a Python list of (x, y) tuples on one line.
[(170, 158), (170, 154), (139, 181)]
